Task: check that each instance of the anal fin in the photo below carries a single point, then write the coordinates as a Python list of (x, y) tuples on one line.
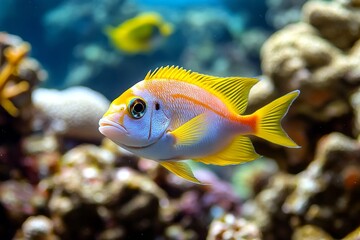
[(180, 169), (239, 151)]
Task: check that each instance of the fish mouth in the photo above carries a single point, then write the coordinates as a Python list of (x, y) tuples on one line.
[(105, 124)]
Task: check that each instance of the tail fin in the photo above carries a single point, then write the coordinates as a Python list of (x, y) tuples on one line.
[(270, 116)]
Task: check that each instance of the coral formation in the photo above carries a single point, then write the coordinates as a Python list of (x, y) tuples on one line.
[(37, 227), (337, 22), (292, 201), (18, 74), (88, 184), (105, 192), (230, 227), (13, 58), (73, 112), (316, 193), (301, 56)]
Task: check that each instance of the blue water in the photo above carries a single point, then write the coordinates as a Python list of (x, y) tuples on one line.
[(183, 4), (66, 34)]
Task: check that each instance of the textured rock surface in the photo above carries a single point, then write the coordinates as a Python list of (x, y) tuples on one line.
[(337, 22), (323, 63), (325, 194)]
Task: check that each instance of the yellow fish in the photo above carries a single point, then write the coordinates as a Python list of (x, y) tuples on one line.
[(140, 34), (175, 114)]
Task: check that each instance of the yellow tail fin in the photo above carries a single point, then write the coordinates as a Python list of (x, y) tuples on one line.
[(269, 120)]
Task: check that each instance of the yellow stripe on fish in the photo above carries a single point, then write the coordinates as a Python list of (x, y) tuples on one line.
[(175, 114)]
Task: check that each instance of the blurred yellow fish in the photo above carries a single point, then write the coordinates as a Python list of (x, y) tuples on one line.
[(175, 114), (140, 34)]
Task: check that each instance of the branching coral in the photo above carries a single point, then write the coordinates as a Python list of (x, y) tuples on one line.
[(19, 74), (8, 88)]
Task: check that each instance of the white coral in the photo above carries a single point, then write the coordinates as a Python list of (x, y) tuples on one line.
[(75, 111)]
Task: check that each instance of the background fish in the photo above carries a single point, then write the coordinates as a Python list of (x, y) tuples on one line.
[(142, 33), (175, 114)]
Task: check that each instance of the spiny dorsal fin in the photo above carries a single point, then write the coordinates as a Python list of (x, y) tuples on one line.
[(233, 90)]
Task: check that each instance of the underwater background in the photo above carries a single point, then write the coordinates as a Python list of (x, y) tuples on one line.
[(63, 61)]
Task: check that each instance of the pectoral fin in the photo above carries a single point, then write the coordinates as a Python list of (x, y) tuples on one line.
[(180, 169), (191, 131), (240, 150)]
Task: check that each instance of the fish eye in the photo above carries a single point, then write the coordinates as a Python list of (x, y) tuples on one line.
[(137, 108)]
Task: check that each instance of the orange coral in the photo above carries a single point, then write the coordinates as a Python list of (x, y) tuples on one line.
[(8, 88)]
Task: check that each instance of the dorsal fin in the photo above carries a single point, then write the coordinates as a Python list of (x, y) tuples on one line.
[(233, 90)]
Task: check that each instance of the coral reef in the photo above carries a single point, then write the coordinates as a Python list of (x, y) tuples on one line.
[(326, 194), (59, 179), (303, 56), (87, 184), (104, 192), (315, 194)]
